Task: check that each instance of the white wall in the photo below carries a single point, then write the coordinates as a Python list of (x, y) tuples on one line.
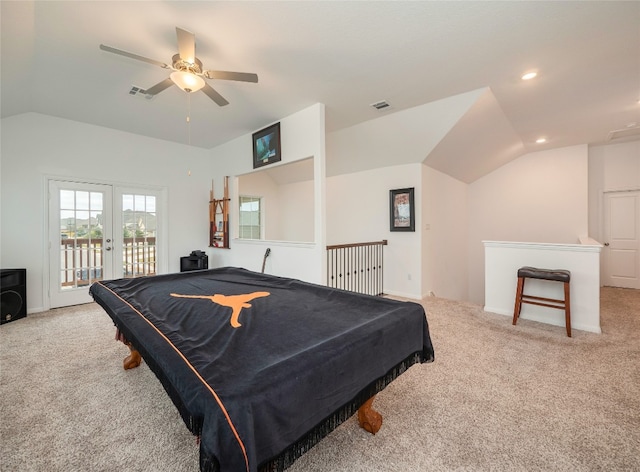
[(295, 205), (358, 211), (287, 209), (434, 257), (622, 165), (260, 184), (302, 136), (539, 197), (444, 235), (393, 145), (583, 261), (35, 146), (396, 138)]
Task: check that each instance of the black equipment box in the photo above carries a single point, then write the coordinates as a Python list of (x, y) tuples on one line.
[(197, 260)]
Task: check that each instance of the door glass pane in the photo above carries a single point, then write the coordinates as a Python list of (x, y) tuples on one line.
[(139, 231), (82, 200), (81, 215)]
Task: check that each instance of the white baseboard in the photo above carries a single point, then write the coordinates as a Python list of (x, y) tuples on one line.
[(411, 296), (541, 319)]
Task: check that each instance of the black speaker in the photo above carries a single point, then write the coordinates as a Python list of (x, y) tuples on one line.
[(13, 294)]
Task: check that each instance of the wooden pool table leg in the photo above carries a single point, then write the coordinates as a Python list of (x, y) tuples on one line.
[(133, 360), (368, 418)]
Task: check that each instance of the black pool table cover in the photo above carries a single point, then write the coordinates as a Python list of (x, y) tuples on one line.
[(262, 367)]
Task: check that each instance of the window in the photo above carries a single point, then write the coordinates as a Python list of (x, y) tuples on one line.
[(250, 224)]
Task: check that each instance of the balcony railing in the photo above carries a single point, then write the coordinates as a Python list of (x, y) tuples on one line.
[(82, 259)]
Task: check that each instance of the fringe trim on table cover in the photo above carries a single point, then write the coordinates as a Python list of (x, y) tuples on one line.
[(302, 445)]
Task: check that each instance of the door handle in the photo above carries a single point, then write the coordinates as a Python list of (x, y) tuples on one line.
[(606, 244), (107, 249)]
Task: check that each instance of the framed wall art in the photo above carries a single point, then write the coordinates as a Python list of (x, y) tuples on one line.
[(402, 213), (266, 146)]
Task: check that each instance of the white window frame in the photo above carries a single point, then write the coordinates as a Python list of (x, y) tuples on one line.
[(251, 227)]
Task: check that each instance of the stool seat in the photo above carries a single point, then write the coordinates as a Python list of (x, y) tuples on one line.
[(555, 275), (558, 275)]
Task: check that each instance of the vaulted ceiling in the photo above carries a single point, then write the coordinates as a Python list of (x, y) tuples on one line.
[(345, 54)]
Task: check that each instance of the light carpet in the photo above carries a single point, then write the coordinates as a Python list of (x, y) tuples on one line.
[(497, 398)]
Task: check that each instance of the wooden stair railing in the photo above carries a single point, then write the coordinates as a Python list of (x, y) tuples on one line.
[(357, 267)]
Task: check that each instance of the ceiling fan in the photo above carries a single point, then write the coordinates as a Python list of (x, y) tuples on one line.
[(188, 73)]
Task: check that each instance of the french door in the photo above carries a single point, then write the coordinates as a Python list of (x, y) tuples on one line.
[(99, 232)]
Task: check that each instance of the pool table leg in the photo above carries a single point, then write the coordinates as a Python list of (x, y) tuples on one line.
[(133, 360), (368, 418)]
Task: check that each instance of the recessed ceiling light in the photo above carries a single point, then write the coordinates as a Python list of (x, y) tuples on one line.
[(529, 75), (541, 140)]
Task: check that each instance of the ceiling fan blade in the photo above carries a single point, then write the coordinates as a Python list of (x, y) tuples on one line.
[(224, 75), (133, 56), (186, 45), (159, 87), (215, 96)]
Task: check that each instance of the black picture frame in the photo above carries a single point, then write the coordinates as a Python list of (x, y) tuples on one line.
[(266, 146), (402, 212)]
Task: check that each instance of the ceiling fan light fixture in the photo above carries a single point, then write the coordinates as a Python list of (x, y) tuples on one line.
[(187, 71), (187, 81)]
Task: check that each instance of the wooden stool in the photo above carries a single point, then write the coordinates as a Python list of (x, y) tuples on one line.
[(544, 274)]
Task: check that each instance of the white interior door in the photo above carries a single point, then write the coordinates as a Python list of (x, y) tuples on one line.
[(80, 240), (622, 239)]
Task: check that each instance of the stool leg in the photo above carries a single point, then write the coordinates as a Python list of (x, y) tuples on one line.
[(518, 306), (567, 308)]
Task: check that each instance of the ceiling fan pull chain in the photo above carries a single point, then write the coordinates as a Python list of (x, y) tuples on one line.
[(189, 119)]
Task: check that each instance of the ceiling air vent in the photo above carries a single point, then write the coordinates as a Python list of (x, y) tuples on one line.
[(382, 105), (629, 131), (139, 92)]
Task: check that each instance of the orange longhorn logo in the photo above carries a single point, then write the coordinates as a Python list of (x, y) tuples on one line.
[(235, 302)]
